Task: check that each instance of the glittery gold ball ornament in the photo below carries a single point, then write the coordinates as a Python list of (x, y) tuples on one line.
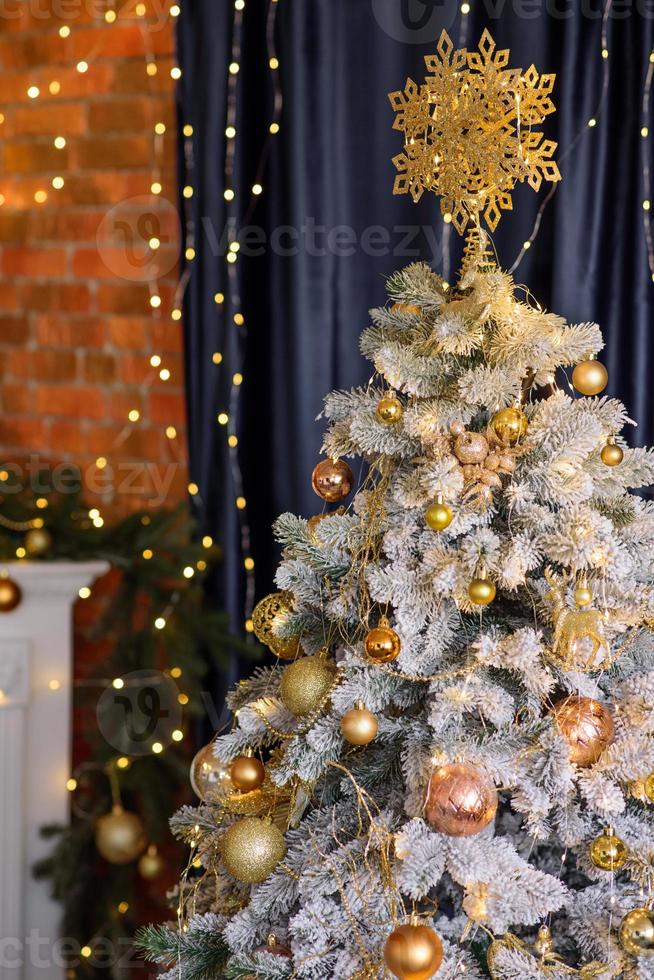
[(461, 800), (637, 932), (587, 727), (413, 952), (37, 541), (509, 425), (119, 836), (332, 480), (247, 773), (359, 726), (151, 864), (306, 683), (251, 849), (439, 515), (470, 448), (389, 410), (268, 614), (608, 852), (10, 594), (482, 591), (611, 454), (590, 377), (209, 776), (382, 644), (648, 787)]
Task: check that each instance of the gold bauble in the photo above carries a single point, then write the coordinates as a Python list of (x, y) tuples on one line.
[(359, 726), (209, 776), (439, 516), (247, 773), (306, 683), (461, 800), (583, 596), (590, 377), (251, 849), (482, 591), (37, 541), (382, 644), (608, 852), (648, 787), (409, 308), (413, 952), (389, 410), (332, 480), (274, 948), (119, 836), (611, 454), (587, 727), (10, 594), (471, 448), (637, 932), (270, 613), (313, 522), (509, 425), (151, 864)]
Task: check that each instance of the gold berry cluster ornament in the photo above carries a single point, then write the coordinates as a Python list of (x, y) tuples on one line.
[(413, 951), (332, 479), (389, 410), (268, 614), (10, 594), (608, 852), (637, 932), (210, 777), (151, 864), (359, 726), (306, 683), (484, 459), (590, 377), (461, 800), (252, 848), (382, 644), (119, 836), (439, 515), (247, 773), (612, 454), (509, 426), (481, 590), (587, 726)]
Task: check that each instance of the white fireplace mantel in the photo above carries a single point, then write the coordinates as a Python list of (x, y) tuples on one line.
[(35, 756)]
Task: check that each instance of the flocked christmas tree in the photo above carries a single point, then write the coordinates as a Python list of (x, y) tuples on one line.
[(453, 776)]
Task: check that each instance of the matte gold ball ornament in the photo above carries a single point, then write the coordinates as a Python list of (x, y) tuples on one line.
[(247, 773), (359, 726), (151, 864), (509, 425), (332, 479), (611, 455), (389, 410), (382, 644), (306, 683), (119, 836), (439, 515), (583, 595), (637, 932), (608, 852), (11, 594), (267, 616), (252, 848), (590, 377), (461, 800), (210, 777), (481, 590), (37, 541), (587, 726), (413, 951)]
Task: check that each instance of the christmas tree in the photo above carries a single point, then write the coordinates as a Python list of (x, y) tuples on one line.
[(448, 773)]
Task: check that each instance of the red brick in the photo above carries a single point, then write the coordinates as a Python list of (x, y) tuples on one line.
[(121, 403), (33, 157), (167, 335), (119, 42), (76, 402), (49, 120), (75, 297), (13, 329), (8, 296), (16, 399), (67, 437), (127, 331), (136, 114), (29, 434), (103, 439), (99, 368), (126, 299), (35, 262), (62, 331), (166, 407), (135, 369), (126, 152)]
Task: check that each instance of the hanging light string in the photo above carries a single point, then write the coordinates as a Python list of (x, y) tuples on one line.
[(647, 172)]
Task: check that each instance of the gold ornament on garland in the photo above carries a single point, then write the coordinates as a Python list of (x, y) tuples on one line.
[(481, 590), (37, 541), (209, 777), (389, 410), (413, 951), (332, 479), (587, 727), (439, 515), (269, 614), (382, 644), (306, 683), (247, 773), (151, 864), (509, 426), (359, 726), (637, 932), (10, 594), (251, 849), (461, 800), (119, 836), (590, 378), (612, 455), (608, 852)]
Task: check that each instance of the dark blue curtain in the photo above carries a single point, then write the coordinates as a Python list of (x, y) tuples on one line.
[(333, 230)]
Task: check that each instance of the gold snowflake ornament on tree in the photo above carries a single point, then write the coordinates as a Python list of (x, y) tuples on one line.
[(469, 132)]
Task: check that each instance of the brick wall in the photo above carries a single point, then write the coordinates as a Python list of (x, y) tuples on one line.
[(77, 328)]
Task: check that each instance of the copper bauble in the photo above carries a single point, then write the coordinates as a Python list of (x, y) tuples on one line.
[(408, 308), (608, 852), (509, 426), (274, 948), (461, 800), (251, 849), (119, 836), (389, 410), (637, 932), (413, 952), (611, 454), (332, 480), (481, 591), (590, 377), (382, 644), (306, 683), (247, 773), (587, 727), (151, 864), (439, 516), (10, 594), (648, 787), (359, 726), (267, 616), (37, 541), (209, 776)]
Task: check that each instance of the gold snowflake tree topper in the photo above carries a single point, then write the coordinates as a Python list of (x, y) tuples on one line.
[(469, 132)]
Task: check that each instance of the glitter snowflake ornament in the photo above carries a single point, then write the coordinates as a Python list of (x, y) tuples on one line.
[(469, 132)]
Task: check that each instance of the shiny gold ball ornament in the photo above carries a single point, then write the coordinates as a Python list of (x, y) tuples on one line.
[(332, 479), (251, 849), (359, 726), (306, 683), (509, 425), (210, 777), (608, 852), (461, 800), (382, 644), (439, 515), (268, 614), (151, 864), (247, 773), (37, 541), (582, 595), (481, 590), (408, 308), (648, 787), (10, 594), (611, 454), (590, 377), (413, 951), (119, 836), (389, 410), (637, 932), (587, 727)]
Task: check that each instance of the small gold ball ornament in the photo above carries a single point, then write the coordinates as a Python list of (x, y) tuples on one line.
[(439, 515), (481, 590), (274, 948), (408, 308), (382, 644), (119, 836), (590, 377), (10, 594), (637, 932), (247, 773), (587, 727), (359, 726), (389, 410), (209, 777), (413, 951), (151, 864), (251, 849), (611, 454), (461, 800), (37, 541), (509, 425), (608, 852), (268, 614), (332, 479), (582, 595), (306, 683)]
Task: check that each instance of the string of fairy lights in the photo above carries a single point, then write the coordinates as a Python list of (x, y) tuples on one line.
[(647, 172)]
